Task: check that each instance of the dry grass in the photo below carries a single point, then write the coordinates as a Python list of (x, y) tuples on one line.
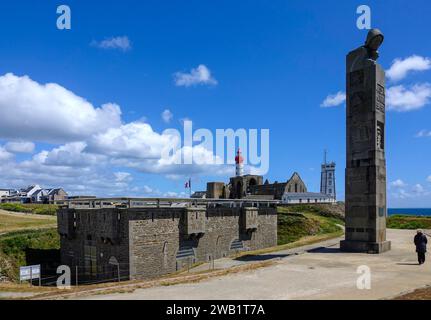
[(418, 294), (22, 221), (24, 287), (130, 286)]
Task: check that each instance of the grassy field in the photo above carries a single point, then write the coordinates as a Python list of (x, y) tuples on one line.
[(35, 208), (13, 221), (408, 222), (297, 222), (19, 231)]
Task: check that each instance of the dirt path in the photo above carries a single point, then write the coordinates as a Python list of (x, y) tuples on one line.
[(320, 273)]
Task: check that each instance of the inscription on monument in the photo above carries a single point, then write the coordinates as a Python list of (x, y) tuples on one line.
[(380, 98), (380, 136)]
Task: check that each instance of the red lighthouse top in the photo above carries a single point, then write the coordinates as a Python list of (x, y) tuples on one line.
[(239, 158)]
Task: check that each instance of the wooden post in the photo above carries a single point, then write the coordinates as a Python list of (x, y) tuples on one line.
[(76, 275), (118, 269)]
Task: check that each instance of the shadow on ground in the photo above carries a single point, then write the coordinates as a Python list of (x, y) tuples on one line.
[(324, 250), (261, 257)]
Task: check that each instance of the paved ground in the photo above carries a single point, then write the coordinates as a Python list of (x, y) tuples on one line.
[(322, 273)]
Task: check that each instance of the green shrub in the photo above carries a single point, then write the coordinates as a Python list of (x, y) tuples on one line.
[(305, 221), (35, 208), (408, 222), (15, 207), (14, 244)]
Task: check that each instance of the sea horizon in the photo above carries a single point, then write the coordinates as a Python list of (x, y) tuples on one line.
[(410, 211)]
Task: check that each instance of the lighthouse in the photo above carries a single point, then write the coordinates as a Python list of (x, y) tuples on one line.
[(239, 164)]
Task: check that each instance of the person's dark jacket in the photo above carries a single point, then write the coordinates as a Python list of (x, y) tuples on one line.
[(421, 242)]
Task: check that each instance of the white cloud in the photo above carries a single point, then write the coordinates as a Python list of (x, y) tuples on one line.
[(49, 112), (401, 67), (85, 144), (334, 100), (167, 116), (121, 43), (71, 155), (173, 194), (415, 191), (5, 155), (147, 189), (423, 133), (20, 147), (418, 189), (429, 178), (400, 98), (200, 75), (122, 176), (135, 140), (398, 183), (401, 194)]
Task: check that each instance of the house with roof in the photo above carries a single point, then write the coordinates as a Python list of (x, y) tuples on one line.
[(4, 193), (56, 194), (28, 193)]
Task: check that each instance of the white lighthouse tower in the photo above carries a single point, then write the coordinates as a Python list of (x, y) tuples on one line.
[(239, 164)]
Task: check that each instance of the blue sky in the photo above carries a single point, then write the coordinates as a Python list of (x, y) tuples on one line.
[(270, 65)]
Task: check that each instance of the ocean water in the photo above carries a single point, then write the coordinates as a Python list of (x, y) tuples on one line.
[(410, 211)]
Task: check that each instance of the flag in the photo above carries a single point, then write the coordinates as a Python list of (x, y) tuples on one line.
[(188, 184)]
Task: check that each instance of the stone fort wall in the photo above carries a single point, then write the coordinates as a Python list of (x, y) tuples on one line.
[(149, 242)]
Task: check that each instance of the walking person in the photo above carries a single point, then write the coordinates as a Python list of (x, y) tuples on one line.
[(421, 245)]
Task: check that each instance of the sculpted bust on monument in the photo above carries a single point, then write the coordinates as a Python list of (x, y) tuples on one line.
[(368, 51), (365, 149)]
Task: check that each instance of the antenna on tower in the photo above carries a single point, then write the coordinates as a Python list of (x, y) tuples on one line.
[(324, 156)]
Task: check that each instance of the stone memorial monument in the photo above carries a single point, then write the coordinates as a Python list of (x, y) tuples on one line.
[(365, 148)]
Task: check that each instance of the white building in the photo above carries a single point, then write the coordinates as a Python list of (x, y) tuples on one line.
[(28, 193), (4, 193), (306, 197)]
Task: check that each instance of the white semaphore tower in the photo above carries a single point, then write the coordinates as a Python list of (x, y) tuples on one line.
[(327, 181), (239, 164)]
